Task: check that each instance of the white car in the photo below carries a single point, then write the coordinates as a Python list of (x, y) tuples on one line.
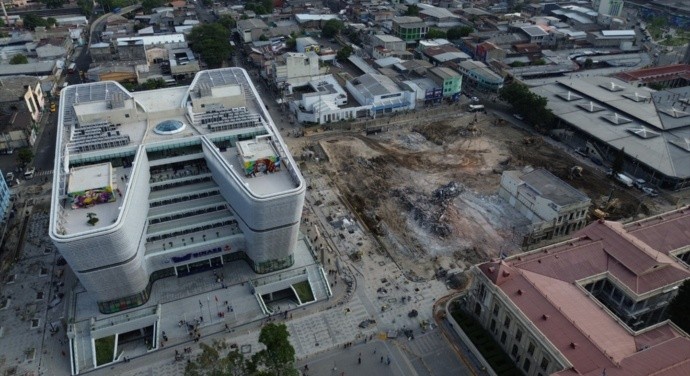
[(474, 99), (651, 192), (518, 116)]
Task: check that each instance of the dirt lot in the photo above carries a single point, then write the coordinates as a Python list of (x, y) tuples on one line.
[(429, 190)]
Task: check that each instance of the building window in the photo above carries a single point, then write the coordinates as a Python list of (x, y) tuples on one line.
[(526, 364), (514, 351), (495, 309), (518, 335), (477, 309), (544, 364), (126, 115), (530, 349), (506, 322), (503, 338), (493, 325)]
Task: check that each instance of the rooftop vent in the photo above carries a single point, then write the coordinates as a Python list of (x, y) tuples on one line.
[(681, 142), (615, 119), (573, 345), (636, 97), (590, 107), (506, 273), (612, 86), (569, 96), (545, 316), (642, 132), (674, 112), (520, 292)]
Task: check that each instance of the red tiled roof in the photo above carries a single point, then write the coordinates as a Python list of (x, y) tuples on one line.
[(543, 285), (656, 73)]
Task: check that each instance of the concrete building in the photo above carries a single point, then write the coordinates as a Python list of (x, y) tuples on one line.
[(170, 182), (381, 93), (388, 42), (307, 44), (251, 29), (22, 93), (479, 75), (593, 305), (554, 207), (325, 103), (604, 115), (296, 69), (611, 38), (612, 8), (409, 29), (449, 80)]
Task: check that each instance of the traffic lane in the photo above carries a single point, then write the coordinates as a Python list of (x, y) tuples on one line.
[(45, 150)]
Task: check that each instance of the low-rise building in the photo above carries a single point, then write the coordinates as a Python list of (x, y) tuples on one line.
[(593, 305), (449, 80), (611, 38), (381, 93), (554, 207), (251, 29), (670, 76), (296, 69), (388, 42), (307, 44), (479, 75), (326, 102), (409, 29)]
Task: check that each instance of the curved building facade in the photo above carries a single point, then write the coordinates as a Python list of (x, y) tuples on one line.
[(134, 201)]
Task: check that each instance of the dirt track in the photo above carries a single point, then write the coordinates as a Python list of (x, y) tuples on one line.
[(428, 190)]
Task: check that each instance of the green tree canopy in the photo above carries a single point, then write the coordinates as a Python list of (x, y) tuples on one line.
[(86, 7), (25, 155), (679, 309), (459, 32), (148, 5), (435, 33), (260, 7), (276, 360), (331, 28), (212, 42), (344, 53), (31, 21), (227, 21), (528, 104), (53, 4), (412, 10), (19, 59), (279, 356)]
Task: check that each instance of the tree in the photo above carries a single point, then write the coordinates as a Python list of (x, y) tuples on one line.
[(459, 32), (227, 21), (19, 59), (51, 21), (53, 4), (531, 106), (212, 42), (344, 53), (412, 10), (588, 63), (279, 356), (211, 363), (149, 5), (25, 155), (435, 33), (86, 7), (276, 360), (31, 21), (617, 165), (679, 308), (331, 28), (263, 38)]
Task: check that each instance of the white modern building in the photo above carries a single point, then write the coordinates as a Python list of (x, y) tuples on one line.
[(381, 93), (326, 102), (170, 182)]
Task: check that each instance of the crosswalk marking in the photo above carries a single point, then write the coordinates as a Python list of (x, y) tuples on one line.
[(43, 173)]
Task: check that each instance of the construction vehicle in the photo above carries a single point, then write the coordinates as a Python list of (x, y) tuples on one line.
[(600, 214)]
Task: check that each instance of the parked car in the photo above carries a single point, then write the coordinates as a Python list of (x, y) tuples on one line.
[(651, 192), (518, 116)]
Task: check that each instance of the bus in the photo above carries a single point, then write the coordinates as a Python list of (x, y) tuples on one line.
[(72, 68), (476, 107)]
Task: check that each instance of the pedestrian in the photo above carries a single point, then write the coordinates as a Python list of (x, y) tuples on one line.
[(359, 360), (381, 360), (388, 361)]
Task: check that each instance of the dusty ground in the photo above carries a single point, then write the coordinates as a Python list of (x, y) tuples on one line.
[(429, 190)]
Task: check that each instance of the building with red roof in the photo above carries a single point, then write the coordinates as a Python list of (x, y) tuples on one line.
[(677, 75), (593, 305)]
